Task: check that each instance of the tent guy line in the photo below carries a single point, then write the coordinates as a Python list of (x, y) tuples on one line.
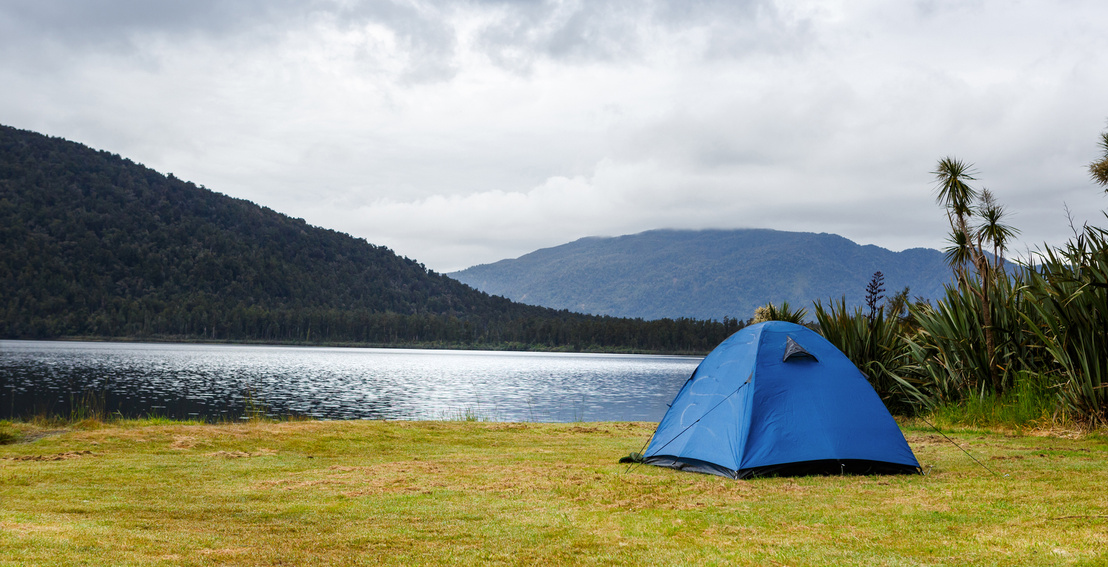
[(983, 465)]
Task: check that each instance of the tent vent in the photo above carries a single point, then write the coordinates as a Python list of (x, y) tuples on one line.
[(793, 350)]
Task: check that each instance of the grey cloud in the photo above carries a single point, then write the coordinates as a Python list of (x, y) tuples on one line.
[(113, 22), (518, 34), (688, 113), (51, 30), (935, 8), (605, 31), (108, 20), (553, 30), (737, 29), (426, 33), (47, 36)]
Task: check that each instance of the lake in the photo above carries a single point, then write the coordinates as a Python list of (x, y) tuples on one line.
[(233, 381)]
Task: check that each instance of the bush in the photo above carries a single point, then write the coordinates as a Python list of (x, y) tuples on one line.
[(1070, 318), (8, 434), (771, 312), (949, 350)]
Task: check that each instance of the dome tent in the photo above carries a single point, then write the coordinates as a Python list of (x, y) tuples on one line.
[(777, 398)]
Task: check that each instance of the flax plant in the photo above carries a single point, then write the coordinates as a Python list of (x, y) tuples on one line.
[(946, 351), (1070, 317)]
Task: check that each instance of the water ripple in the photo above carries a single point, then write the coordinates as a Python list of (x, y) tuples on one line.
[(221, 381)]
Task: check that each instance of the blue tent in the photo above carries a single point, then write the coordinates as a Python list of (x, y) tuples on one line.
[(777, 398)]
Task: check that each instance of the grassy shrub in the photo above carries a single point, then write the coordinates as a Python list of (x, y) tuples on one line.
[(948, 350), (771, 312), (8, 433), (1069, 317)]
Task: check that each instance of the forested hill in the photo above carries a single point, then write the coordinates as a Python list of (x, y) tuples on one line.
[(96, 245), (706, 274)]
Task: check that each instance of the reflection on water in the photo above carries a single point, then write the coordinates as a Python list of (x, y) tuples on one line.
[(220, 381)]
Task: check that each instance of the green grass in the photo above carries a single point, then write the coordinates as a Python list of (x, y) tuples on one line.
[(1031, 404), (470, 492), (8, 433)]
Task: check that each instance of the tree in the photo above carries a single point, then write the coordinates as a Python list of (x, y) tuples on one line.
[(992, 228), (957, 196), (967, 243), (1099, 169)]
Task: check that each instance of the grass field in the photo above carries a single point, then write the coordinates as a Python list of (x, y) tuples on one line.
[(472, 493)]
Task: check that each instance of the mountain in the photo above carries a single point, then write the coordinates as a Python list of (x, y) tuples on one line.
[(707, 274), (96, 245), (85, 228)]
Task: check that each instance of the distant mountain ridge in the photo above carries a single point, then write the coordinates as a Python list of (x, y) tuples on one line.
[(705, 274)]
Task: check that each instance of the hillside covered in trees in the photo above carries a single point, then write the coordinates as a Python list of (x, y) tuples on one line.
[(95, 245)]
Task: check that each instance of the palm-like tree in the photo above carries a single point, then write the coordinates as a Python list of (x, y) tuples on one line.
[(954, 193), (1099, 169), (992, 228), (952, 177), (957, 196), (958, 251)]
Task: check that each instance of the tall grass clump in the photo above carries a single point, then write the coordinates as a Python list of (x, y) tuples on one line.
[(90, 406), (8, 433), (948, 351), (1069, 316), (1031, 402), (468, 414), (784, 312), (934, 358)]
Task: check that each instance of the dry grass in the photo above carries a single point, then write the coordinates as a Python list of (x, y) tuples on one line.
[(367, 493)]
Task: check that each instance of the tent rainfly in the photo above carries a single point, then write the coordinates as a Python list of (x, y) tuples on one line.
[(777, 398)]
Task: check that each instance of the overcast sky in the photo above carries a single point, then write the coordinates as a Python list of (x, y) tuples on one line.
[(459, 133)]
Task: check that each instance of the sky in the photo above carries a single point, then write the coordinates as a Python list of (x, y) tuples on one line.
[(465, 132)]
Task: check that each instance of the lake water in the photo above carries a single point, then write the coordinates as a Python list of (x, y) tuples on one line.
[(229, 381)]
